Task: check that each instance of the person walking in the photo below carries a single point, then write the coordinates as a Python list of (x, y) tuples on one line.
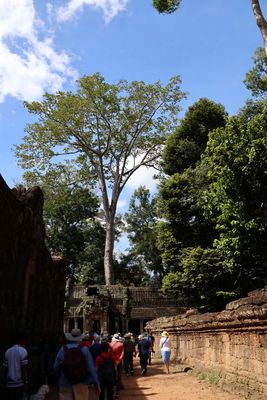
[(78, 379), (143, 351), (165, 347), (129, 352), (95, 349), (106, 372), (117, 349), (15, 363)]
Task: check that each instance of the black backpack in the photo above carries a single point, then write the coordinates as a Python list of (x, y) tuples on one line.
[(107, 371), (74, 365)]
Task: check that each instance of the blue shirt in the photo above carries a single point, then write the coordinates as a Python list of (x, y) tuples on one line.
[(92, 377), (144, 346)]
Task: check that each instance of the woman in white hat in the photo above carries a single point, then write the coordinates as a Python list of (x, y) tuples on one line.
[(165, 347)]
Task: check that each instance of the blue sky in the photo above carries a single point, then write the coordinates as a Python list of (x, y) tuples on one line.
[(46, 46)]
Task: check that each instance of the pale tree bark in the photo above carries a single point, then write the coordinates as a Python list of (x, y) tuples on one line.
[(108, 255), (261, 21)]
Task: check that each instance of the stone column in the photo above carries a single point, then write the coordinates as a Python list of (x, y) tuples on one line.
[(66, 325), (104, 327), (75, 322)]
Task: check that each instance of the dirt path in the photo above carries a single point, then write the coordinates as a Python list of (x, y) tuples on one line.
[(157, 385)]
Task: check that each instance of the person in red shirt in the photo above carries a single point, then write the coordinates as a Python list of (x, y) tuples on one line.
[(106, 372), (117, 348), (87, 340)]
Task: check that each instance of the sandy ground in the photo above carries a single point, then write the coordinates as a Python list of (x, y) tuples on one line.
[(158, 385)]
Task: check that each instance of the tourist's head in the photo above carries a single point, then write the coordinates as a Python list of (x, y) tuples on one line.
[(164, 334), (75, 335)]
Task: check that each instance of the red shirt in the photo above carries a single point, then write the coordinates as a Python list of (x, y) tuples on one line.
[(105, 355), (117, 352), (87, 343)]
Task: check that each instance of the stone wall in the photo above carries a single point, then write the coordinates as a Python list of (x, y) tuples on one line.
[(231, 345), (32, 283)]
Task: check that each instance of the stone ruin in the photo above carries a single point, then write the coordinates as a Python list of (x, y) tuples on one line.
[(229, 347), (32, 281), (116, 308)]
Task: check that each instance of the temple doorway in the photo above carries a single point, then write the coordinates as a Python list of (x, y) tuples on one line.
[(134, 326)]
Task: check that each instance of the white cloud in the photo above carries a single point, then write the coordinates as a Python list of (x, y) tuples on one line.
[(28, 65), (110, 8), (143, 177)]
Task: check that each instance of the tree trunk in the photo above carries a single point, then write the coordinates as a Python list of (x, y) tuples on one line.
[(261, 21), (108, 256)]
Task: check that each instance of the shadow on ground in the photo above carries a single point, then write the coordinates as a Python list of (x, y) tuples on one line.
[(136, 386)]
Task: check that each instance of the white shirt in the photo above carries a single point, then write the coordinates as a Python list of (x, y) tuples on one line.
[(165, 344), (15, 358)]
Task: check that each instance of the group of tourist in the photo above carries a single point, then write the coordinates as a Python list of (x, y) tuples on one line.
[(88, 366)]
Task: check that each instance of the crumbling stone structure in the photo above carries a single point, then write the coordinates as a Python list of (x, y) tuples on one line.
[(32, 283), (116, 308), (232, 343)]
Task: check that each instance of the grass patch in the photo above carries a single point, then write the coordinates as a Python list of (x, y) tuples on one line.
[(202, 375)]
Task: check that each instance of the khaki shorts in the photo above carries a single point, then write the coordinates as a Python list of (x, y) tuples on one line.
[(78, 392)]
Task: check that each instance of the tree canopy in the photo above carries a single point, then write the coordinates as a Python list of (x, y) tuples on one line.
[(104, 133), (184, 235), (141, 224), (236, 197), (185, 146), (256, 78), (70, 223)]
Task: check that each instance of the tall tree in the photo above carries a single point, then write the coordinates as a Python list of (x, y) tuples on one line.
[(185, 146), (107, 131), (141, 226), (236, 199), (261, 21), (256, 78), (70, 223), (169, 6), (184, 234)]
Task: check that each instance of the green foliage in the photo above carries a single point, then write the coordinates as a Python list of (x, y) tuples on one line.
[(185, 236), (236, 157), (91, 269), (179, 204), (181, 209), (185, 146), (256, 78), (169, 245), (71, 229), (166, 6), (141, 223), (131, 269), (102, 133), (201, 280), (214, 229)]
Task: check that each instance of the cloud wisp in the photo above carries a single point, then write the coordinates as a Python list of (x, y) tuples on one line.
[(110, 8), (29, 62)]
